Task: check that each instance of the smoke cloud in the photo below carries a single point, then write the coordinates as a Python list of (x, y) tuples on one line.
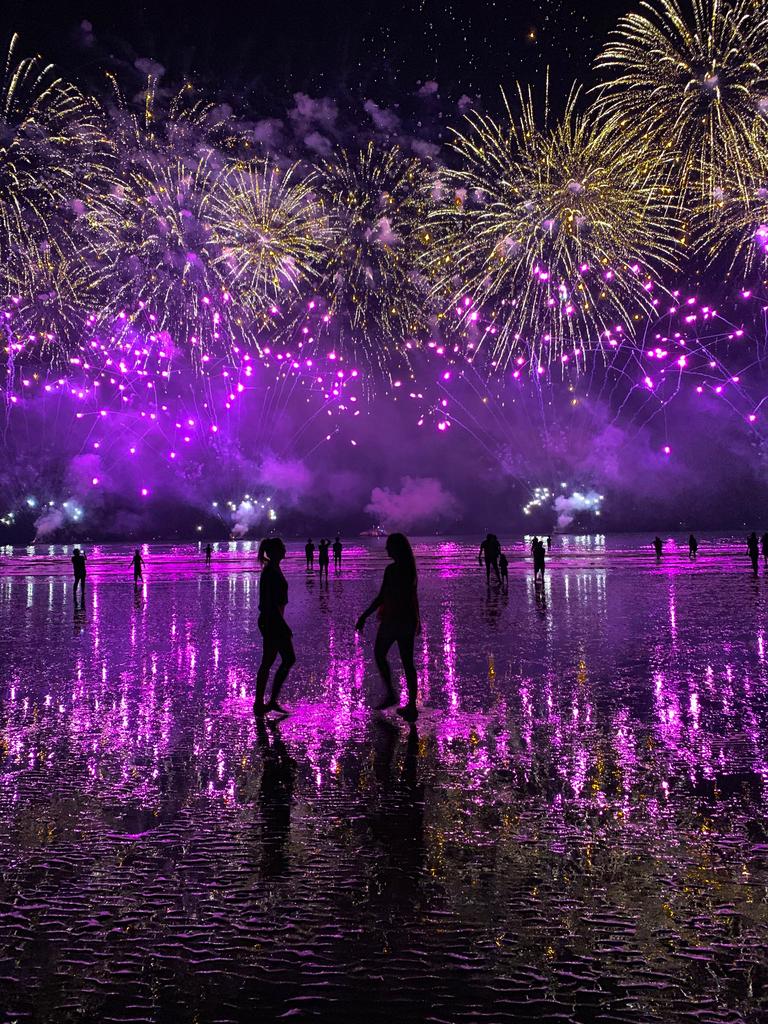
[(420, 501), (289, 477), (246, 516), (568, 506)]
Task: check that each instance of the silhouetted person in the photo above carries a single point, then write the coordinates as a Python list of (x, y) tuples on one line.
[(764, 545), (490, 549), (534, 543), (208, 554), (275, 798), (79, 571), (323, 558), (138, 565), (338, 547), (549, 544), (539, 560), (275, 631), (753, 549), (398, 606), (693, 546), (309, 551), (504, 568), (658, 546)]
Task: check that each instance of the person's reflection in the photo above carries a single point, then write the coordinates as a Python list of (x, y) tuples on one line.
[(325, 597), (397, 823), (495, 600), (275, 798), (80, 619), (174, 781), (540, 594)]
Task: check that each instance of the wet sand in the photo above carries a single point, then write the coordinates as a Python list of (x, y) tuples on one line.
[(574, 831)]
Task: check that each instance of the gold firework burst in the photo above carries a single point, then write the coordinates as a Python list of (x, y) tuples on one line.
[(547, 236)]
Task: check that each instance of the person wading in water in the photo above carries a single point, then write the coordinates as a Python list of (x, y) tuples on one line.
[(398, 606), (277, 635)]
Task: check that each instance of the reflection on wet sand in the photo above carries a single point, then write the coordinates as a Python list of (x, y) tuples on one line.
[(574, 830)]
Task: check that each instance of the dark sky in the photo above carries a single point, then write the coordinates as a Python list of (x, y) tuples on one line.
[(379, 47)]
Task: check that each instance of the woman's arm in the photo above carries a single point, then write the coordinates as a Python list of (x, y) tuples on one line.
[(375, 603)]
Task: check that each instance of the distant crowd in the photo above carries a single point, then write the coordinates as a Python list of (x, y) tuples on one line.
[(755, 548), (396, 605)]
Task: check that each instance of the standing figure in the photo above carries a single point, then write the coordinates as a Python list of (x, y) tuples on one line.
[(309, 551), (323, 557), (208, 554), (658, 547), (539, 560), (138, 564), (78, 569), (490, 549), (275, 631), (693, 546), (398, 606), (549, 544), (504, 569), (753, 549), (338, 547)]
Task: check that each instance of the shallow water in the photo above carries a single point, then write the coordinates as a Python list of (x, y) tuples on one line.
[(574, 831)]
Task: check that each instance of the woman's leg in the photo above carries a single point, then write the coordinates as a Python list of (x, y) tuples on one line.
[(262, 676), (384, 641), (287, 661), (405, 644)]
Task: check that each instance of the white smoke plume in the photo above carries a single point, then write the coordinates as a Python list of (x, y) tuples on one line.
[(421, 501), (567, 506)]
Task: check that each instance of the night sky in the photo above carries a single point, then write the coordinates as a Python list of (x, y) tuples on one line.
[(355, 46)]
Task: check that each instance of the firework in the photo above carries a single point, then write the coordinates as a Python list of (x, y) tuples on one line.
[(50, 147), (50, 311), (269, 231), (376, 205), (175, 123), (733, 228), (691, 84), (549, 237), (152, 243)]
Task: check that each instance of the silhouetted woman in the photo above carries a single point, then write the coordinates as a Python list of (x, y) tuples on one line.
[(322, 557), (658, 546), (398, 606), (138, 567), (753, 549), (539, 560), (79, 569), (275, 631), (693, 546)]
